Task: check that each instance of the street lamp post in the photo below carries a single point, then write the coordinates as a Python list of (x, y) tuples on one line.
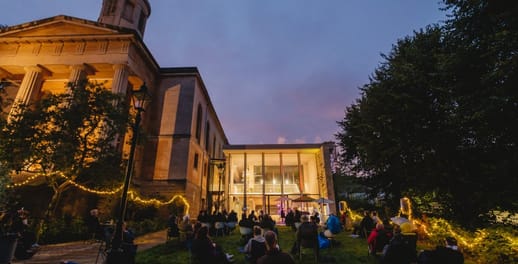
[(221, 170), (139, 98)]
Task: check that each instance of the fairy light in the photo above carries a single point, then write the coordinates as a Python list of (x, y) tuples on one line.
[(24, 182), (132, 194)]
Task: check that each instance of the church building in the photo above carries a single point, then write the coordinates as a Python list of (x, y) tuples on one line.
[(186, 151)]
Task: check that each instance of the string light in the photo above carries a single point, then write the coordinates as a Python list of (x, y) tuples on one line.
[(133, 196), (25, 182)]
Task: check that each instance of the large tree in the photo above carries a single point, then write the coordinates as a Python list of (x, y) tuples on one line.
[(438, 115), (67, 137)]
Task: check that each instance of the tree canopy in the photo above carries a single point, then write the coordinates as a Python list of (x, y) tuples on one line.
[(438, 117), (67, 136)]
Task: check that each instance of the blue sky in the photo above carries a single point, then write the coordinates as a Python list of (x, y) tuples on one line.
[(277, 71)]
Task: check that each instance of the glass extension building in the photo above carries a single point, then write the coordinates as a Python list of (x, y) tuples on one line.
[(272, 177)]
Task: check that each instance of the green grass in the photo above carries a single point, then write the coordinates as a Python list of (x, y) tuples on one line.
[(350, 250)]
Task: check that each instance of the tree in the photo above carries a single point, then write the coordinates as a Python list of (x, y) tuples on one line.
[(437, 117), (67, 137)]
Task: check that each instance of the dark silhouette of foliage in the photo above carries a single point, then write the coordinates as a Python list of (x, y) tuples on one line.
[(438, 117)]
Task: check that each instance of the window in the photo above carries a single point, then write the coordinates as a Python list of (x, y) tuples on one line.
[(207, 134), (129, 8), (196, 157), (198, 123)]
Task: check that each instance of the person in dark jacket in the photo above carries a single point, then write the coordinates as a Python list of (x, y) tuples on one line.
[(273, 254), (307, 235), (448, 254), (399, 250), (206, 251)]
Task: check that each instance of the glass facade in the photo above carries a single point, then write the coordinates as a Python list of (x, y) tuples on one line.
[(269, 179)]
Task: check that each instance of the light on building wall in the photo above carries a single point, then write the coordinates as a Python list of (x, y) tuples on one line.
[(274, 182), (287, 181)]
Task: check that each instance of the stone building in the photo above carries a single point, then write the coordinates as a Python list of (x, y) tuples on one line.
[(184, 149)]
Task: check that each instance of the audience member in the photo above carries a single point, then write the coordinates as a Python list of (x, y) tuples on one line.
[(398, 251), (307, 236), (232, 216), (273, 254), (255, 247), (172, 226), (378, 239), (283, 215), (366, 225), (333, 226), (447, 254), (290, 219), (206, 251), (252, 217)]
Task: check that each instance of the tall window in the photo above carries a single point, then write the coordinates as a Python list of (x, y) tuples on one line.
[(128, 11), (207, 135), (198, 123), (196, 158)]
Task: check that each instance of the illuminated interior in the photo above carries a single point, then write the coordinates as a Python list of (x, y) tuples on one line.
[(268, 179)]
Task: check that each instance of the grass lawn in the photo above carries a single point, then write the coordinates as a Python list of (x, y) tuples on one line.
[(350, 250)]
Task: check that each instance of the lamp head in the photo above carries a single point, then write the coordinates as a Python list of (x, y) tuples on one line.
[(141, 97)]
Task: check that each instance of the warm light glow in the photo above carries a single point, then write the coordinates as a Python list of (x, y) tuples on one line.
[(132, 194)]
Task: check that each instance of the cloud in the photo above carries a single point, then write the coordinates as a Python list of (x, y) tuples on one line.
[(281, 140), (300, 141)]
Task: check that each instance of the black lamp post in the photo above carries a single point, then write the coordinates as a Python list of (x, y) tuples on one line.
[(221, 171), (139, 98)]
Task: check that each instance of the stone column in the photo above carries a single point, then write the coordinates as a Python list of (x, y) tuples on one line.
[(77, 72), (31, 83), (120, 79)]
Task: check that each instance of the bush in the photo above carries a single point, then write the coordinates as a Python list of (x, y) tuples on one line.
[(63, 230)]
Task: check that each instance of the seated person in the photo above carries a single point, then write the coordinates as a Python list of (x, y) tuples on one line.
[(333, 226), (399, 250), (449, 253), (256, 247), (307, 235), (129, 248), (377, 239), (172, 226), (232, 217), (366, 225), (273, 253), (245, 222), (267, 223), (206, 251)]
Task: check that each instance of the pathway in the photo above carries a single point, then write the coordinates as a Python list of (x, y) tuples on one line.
[(85, 252)]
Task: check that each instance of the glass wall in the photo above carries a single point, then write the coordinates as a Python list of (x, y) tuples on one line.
[(268, 181)]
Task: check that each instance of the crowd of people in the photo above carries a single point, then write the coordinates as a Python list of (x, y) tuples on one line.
[(261, 245), (395, 243)]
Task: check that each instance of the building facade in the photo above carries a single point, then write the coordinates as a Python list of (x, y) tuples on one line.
[(186, 147)]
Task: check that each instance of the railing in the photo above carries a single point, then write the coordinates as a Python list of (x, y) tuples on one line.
[(269, 188)]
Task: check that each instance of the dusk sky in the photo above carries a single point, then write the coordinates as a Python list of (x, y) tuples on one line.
[(277, 71)]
